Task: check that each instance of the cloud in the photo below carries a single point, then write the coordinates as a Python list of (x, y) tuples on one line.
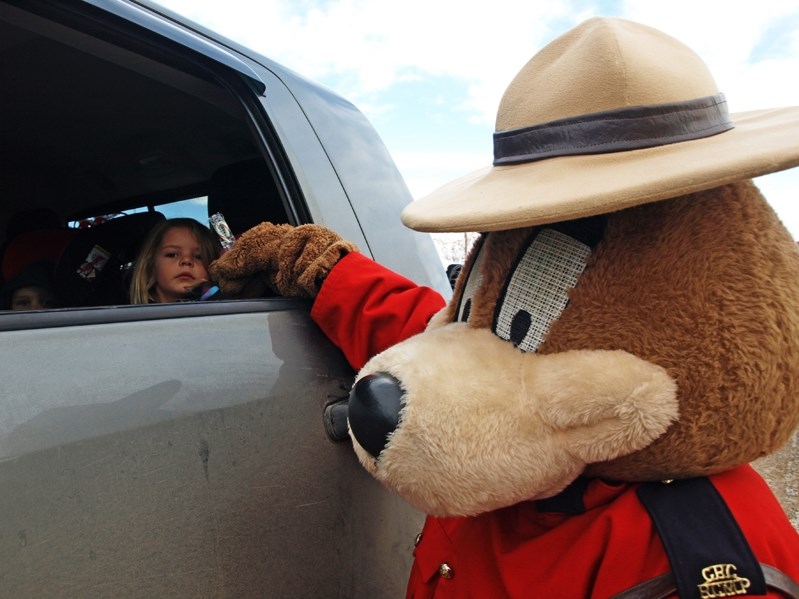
[(430, 170), (361, 47), (749, 51), (364, 48), (430, 74), (780, 189)]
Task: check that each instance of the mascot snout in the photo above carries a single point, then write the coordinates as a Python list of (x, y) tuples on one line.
[(502, 406)]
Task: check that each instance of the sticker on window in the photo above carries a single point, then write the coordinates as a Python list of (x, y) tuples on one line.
[(95, 262)]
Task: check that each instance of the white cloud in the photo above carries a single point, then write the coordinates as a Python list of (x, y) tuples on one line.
[(362, 48), (780, 189), (369, 45), (427, 171), (727, 36)]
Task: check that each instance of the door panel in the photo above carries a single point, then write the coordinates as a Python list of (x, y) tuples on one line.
[(188, 458)]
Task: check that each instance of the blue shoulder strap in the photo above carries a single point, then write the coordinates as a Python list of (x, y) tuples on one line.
[(708, 553)]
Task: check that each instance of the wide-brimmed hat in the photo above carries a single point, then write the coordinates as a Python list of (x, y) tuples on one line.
[(610, 115)]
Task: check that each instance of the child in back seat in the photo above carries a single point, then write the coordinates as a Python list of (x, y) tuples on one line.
[(173, 261), (31, 289)]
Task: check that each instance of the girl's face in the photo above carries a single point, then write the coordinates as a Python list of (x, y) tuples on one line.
[(178, 266)]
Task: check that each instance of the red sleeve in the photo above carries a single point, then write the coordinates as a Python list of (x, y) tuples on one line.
[(364, 308), (762, 519)]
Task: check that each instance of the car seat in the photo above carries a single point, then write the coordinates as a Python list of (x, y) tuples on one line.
[(94, 267), (44, 245), (246, 195)]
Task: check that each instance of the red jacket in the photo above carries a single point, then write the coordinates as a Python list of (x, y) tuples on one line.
[(523, 551), (528, 550), (364, 308)]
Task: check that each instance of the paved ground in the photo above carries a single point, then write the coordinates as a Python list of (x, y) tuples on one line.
[(781, 470)]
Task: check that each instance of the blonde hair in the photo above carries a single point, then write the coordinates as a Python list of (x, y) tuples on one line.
[(142, 284)]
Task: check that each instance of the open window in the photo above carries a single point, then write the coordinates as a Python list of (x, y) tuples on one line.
[(109, 127)]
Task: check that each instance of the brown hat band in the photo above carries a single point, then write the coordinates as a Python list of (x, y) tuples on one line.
[(614, 130)]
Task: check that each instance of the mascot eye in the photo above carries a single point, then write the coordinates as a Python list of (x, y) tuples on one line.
[(538, 289), (472, 283)]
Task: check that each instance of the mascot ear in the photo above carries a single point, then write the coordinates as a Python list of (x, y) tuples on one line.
[(617, 405)]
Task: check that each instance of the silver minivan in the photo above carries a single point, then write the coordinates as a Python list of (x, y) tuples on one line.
[(180, 450)]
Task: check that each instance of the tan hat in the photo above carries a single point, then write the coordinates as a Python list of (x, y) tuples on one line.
[(610, 115)]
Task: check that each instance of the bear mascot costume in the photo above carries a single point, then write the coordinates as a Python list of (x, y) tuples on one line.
[(622, 342)]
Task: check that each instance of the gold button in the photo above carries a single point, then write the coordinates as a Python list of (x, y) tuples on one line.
[(445, 571), (417, 540)]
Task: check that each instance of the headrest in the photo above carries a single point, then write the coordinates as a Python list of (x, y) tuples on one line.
[(94, 264), (246, 194), (44, 245)]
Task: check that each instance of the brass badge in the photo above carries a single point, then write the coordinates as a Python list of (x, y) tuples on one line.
[(721, 580)]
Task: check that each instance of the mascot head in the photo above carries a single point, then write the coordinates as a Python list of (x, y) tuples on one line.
[(631, 308)]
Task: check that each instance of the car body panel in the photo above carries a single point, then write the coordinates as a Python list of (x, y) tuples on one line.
[(180, 450), (191, 480), (136, 14)]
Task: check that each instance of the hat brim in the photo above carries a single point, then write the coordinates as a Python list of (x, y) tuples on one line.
[(570, 187)]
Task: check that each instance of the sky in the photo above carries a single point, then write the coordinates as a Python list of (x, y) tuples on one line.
[(429, 74)]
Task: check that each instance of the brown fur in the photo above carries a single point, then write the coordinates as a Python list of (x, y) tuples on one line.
[(290, 261), (706, 286)]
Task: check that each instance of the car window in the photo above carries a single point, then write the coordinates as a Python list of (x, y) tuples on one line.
[(196, 208), (103, 135)]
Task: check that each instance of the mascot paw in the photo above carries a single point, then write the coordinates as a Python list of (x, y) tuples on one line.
[(291, 261)]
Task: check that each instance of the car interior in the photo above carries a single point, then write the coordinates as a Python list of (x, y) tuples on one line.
[(103, 136)]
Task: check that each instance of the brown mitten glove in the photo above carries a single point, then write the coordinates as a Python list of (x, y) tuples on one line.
[(292, 261)]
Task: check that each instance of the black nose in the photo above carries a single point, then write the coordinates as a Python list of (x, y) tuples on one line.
[(374, 407)]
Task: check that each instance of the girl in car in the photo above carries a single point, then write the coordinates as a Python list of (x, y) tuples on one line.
[(173, 262)]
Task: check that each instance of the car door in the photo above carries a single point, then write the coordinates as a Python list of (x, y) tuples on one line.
[(180, 449)]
